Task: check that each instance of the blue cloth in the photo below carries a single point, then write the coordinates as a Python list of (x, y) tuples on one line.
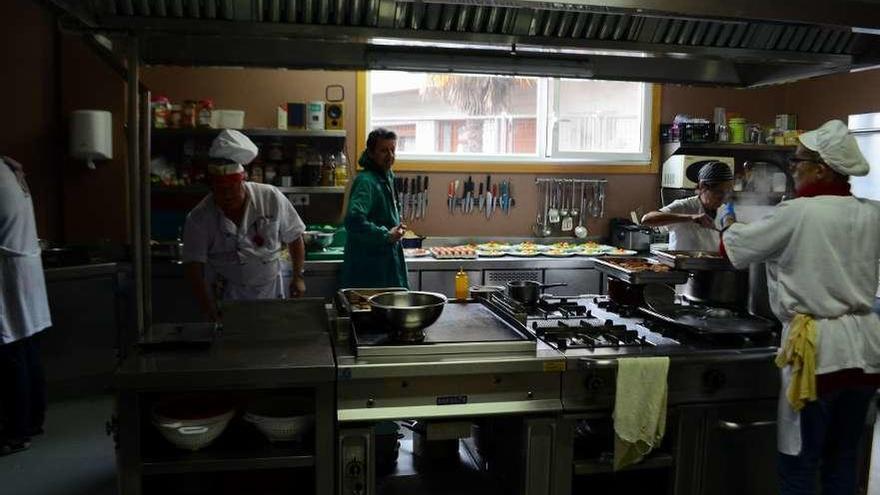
[(831, 428)]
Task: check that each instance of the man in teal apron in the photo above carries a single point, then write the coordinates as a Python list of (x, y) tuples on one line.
[(373, 254)]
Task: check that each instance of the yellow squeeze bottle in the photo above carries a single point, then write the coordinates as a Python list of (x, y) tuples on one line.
[(462, 283)]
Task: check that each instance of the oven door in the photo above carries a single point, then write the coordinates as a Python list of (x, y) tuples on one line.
[(727, 449)]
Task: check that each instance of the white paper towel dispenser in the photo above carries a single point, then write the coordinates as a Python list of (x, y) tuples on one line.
[(91, 135)]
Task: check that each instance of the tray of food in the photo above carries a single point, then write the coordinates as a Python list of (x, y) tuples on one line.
[(692, 260), (639, 271), (454, 253)]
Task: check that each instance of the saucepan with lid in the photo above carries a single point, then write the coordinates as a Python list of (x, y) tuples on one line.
[(528, 291)]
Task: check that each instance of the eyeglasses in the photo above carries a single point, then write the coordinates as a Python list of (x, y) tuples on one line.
[(794, 161)]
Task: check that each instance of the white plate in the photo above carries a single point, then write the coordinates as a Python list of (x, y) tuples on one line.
[(491, 254), (597, 252), (524, 254)]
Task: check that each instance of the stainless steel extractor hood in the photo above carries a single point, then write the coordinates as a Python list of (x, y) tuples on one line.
[(739, 43)]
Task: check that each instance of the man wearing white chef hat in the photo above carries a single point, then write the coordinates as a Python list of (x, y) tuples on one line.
[(239, 231), (821, 251)]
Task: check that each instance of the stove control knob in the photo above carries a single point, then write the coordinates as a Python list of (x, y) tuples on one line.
[(595, 383), (714, 380)]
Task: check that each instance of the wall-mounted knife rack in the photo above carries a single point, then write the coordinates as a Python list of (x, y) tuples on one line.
[(411, 194)]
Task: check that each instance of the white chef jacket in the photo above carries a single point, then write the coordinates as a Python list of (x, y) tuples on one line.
[(822, 260), (246, 258), (24, 306), (690, 236)]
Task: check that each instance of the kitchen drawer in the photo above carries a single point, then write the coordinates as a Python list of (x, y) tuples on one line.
[(443, 281), (580, 281)]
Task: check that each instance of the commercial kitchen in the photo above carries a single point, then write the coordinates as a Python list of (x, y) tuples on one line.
[(540, 316)]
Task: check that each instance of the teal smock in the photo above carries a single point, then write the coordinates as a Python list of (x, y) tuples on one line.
[(370, 261)]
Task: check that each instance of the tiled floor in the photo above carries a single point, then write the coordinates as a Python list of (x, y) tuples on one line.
[(74, 457)]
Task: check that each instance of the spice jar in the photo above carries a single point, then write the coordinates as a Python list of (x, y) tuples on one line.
[(188, 117), (161, 107), (175, 117), (206, 109)]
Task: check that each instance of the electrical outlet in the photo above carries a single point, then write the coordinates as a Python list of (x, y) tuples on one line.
[(298, 199)]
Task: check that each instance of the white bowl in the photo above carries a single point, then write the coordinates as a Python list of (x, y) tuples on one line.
[(192, 434)]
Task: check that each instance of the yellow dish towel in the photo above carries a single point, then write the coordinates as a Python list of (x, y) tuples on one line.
[(799, 351), (639, 408)]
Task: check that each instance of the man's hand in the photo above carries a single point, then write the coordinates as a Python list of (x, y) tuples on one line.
[(703, 220), (297, 286), (395, 234)]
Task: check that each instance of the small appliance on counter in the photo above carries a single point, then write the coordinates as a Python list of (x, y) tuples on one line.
[(627, 235)]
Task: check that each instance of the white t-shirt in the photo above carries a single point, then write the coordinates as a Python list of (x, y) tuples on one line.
[(246, 257), (24, 305), (689, 236)]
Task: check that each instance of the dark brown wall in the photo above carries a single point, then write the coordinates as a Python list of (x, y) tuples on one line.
[(756, 105), (95, 201), (30, 126), (833, 97)]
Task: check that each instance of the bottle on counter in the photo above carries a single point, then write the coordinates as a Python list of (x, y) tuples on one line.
[(256, 173), (174, 116), (270, 173), (462, 282)]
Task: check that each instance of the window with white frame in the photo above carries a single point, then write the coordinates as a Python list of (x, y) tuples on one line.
[(442, 116)]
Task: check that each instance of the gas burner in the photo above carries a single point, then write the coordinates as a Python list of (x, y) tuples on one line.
[(587, 332), (624, 310)]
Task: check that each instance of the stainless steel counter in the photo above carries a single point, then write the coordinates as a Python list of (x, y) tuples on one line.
[(502, 263), (84, 271), (233, 361)]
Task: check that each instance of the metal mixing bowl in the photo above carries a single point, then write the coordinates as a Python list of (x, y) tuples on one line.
[(406, 313), (317, 241)]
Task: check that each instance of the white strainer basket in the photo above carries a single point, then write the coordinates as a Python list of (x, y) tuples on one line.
[(281, 419), (192, 434)]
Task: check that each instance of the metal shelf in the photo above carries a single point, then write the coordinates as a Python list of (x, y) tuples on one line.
[(586, 467), (239, 448), (257, 132), (670, 149)]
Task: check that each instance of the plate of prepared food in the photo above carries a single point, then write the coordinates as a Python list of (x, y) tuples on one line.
[(525, 253), (415, 252), (558, 253), (454, 252), (591, 249), (490, 253), (529, 246), (493, 246), (621, 252)]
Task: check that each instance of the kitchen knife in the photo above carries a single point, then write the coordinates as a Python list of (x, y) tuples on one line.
[(425, 199), (405, 198), (416, 195), (450, 197), (457, 187), (494, 198), (504, 195), (489, 199), (398, 190), (480, 198), (470, 194)]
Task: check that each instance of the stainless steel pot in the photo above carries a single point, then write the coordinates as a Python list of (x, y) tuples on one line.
[(317, 241), (725, 288), (528, 291), (759, 296), (406, 314)]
